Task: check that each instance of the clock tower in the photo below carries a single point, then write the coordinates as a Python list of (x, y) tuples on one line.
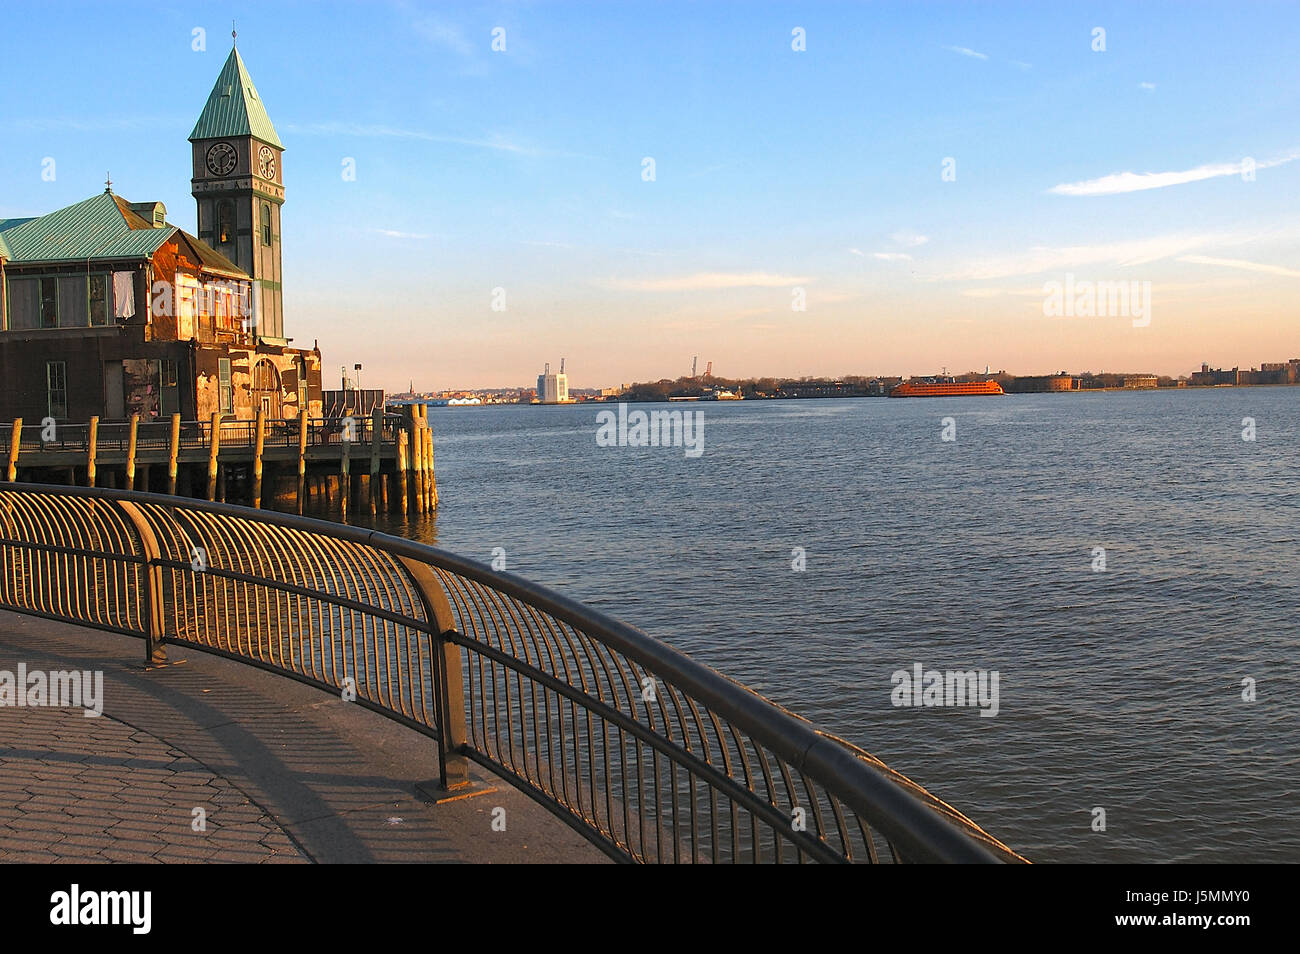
[(239, 187)]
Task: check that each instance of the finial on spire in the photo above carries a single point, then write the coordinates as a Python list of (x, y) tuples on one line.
[(108, 183), (234, 37)]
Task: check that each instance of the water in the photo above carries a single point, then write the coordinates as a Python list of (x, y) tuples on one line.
[(1119, 690)]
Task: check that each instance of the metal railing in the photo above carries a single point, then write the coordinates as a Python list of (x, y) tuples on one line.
[(650, 755), (197, 435)]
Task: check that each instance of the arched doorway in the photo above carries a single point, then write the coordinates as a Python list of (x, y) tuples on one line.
[(266, 390)]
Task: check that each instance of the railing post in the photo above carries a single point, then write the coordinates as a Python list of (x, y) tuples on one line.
[(173, 454), (449, 683), (154, 651), (214, 451), (92, 451), (302, 458), (132, 441), (15, 444), (259, 443)]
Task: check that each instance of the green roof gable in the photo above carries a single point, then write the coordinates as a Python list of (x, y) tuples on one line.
[(96, 229), (101, 228), (234, 108)]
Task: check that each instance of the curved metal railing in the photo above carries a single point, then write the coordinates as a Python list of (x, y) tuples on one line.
[(650, 755)]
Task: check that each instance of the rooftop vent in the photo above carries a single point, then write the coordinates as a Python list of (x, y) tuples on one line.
[(152, 212)]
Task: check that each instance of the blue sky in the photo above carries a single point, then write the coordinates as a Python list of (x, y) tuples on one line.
[(775, 169)]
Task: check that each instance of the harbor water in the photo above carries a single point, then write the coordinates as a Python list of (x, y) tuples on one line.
[(1121, 566)]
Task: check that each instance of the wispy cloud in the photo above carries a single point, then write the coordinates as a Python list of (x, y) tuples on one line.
[(909, 239), (94, 123), (1000, 292), (707, 170), (858, 252), (708, 281), (393, 233), (1021, 64), (1122, 182), (967, 51), (380, 131), (891, 256), (1241, 264), (1041, 259), (443, 34), (1146, 85)]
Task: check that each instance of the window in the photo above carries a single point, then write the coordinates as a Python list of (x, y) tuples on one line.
[(225, 223), (168, 373), (266, 223), (56, 388), (49, 303), (227, 390), (301, 365), (24, 303), (60, 301), (73, 302), (99, 299)]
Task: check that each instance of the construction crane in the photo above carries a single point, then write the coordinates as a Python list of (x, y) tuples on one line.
[(561, 366), (708, 369)]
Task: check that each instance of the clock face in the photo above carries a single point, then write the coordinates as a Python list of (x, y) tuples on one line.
[(266, 162), (221, 159)]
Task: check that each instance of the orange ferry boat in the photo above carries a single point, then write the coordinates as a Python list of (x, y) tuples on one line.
[(930, 387)]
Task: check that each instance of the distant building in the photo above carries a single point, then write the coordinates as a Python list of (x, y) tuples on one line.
[(1140, 381), (552, 388), (1283, 372), (1215, 377), (1034, 384)]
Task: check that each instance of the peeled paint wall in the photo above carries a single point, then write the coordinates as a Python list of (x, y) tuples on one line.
[(208, 382)]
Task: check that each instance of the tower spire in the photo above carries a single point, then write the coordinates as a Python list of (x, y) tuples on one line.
[(234, 37)]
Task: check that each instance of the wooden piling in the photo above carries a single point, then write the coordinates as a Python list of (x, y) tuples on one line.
[(15, 445), (130, 451), (345, 475), (259, 442), (417, 458), (214, 449), (302, 458), (403, 491), (376, 439), (428, 468), (174, 454), (424, 467), (92, 451)]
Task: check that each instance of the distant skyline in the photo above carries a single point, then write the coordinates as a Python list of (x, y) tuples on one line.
[(775, 169)]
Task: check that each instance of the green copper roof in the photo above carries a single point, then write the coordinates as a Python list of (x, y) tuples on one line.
[(5, 225), (234, 108), (94, 229)]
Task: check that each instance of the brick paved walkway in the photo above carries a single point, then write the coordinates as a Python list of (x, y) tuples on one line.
[(81, 789), (281, 771)]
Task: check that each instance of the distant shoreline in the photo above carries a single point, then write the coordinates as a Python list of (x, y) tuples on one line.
[(843, 397)]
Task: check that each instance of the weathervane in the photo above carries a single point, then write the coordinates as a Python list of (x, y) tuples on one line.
[(108, 182), (234, 37)]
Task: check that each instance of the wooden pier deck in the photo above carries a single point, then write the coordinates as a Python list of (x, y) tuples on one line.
[(390, 455)]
